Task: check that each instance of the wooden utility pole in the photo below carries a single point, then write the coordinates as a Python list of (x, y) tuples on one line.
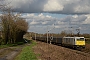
[(47, 36)]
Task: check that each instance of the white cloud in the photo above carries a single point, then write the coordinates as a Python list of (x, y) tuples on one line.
[(30, 15), (51, 6), (40, 15), (57, 27), (34, 22), (79, 10), (75, 16), (39, 19), (48, 16), (87, 21), (42, 21)]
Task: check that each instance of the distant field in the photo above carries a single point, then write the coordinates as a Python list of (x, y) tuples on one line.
[(87, 40)]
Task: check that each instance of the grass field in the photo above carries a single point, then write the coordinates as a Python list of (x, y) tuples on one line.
[(27, 53), (11, 45), (88, 41)]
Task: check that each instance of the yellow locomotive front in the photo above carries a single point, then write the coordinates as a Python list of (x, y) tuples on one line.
[(80, 42)]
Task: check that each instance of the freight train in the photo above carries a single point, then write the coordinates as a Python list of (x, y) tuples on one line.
[(74, 42)]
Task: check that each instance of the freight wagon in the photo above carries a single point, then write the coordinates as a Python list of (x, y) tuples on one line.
[(74, 42)]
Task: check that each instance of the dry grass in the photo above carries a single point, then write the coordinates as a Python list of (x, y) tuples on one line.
[(53, 52)]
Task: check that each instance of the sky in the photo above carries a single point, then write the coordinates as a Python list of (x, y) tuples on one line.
[(54, 15)]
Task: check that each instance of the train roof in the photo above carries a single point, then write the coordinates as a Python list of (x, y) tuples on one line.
[(73, 37)]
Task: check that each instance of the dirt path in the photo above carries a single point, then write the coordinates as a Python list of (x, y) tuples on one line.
[(53, 52), (10, 53)]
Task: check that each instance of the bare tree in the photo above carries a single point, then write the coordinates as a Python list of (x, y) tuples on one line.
[(13, 27)]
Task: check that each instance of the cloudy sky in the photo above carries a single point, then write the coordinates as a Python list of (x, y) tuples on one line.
[(54, 15)]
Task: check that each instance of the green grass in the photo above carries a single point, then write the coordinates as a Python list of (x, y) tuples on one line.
[(7, 45), (88, 42), (3, 46), (11, 45), (27, 53)]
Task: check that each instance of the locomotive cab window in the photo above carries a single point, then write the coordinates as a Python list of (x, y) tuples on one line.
[(81, 39)]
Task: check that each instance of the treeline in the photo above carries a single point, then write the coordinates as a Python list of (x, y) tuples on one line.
[(13, 28), (62, 34)]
